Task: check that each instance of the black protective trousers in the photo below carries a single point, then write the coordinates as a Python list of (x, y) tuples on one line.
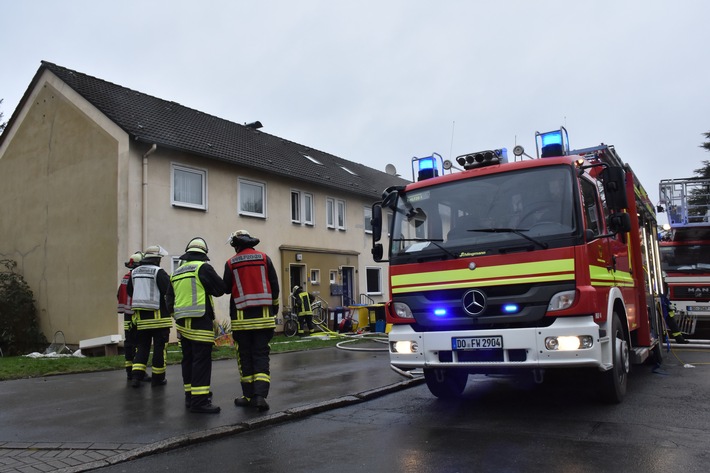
[(159, 338), (196, 370), (253, 360)]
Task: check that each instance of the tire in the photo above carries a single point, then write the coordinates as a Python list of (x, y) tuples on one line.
[(318, 316), (612, 386), (290, 327), (445, 383)]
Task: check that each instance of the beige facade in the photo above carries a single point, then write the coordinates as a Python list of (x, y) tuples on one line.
[(79, 196)]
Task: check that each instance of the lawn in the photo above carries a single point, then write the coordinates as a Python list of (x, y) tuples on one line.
[(17, 367)]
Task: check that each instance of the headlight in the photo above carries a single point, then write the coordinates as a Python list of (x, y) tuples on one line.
[(567, 343), (404, 347), (402, 310), (561, 300)]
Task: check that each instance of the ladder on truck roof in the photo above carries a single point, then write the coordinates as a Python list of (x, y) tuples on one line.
[(687, 201), (606, 153)]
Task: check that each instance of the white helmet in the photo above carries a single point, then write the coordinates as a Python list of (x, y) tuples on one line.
[(134, 260), (155, 251), (197, 244)]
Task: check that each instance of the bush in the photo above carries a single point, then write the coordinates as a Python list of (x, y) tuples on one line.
[(19, 327)]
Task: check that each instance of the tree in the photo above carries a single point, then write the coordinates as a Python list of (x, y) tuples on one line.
[(19, 327), (2, 123), (705, 170)]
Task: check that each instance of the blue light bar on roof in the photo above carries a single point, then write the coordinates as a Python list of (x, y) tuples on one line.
[(552, 143), (426, 167)]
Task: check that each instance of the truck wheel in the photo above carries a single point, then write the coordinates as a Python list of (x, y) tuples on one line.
[(613, 382), (445, 384)]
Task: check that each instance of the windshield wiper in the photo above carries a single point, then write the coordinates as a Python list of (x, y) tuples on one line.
[(435, 242), (516, 231)]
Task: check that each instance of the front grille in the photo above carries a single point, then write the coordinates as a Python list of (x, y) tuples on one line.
[(483, 356)]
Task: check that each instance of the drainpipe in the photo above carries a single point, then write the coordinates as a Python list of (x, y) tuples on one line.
[(145, 194)]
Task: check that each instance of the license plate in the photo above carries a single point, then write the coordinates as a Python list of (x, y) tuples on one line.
[(697, 308), (477, 343)]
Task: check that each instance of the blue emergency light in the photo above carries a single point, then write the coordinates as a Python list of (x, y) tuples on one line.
[(552, 143), (427, 167)]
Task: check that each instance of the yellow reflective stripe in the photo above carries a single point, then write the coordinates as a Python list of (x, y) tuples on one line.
[(538, 271), (196, 335), (624, 279), (601, 276)]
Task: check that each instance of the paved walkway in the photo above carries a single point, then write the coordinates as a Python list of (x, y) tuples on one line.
[(79, 422)]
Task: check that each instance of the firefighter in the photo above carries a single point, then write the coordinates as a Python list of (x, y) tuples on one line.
[(189, 300), (148, 286), (250, 278), (125, 310), (669, 316), (304, 311)]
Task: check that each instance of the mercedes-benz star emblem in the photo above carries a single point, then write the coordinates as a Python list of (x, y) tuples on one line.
[(474, 302)]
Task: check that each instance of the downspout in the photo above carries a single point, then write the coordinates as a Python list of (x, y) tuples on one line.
[(145, 194)]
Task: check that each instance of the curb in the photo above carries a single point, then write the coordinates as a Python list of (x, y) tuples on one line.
[(228, 430)]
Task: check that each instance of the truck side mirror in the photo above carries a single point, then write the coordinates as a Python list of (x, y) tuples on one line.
[(377, 252), (376, 222), (614, 179), (620, 222)]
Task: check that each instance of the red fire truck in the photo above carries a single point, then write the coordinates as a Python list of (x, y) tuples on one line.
[(529, 265), (685, 247)]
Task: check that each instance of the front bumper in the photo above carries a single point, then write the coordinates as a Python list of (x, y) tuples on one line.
[(523, 348)]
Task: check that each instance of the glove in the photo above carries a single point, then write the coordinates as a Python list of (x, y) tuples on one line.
[(275, 307)]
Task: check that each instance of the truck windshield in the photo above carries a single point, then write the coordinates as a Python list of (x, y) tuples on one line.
[(523, 210), (692, 258)]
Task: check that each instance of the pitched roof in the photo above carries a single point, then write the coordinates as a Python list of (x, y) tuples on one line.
[(168, 124)]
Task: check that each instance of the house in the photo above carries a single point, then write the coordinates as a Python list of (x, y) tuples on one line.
[(91, 172)]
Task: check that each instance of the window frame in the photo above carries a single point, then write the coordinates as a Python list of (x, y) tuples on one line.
[(251, 182), (203, 182), (377, 292), (314, 276), (304, 213), (367, 214)]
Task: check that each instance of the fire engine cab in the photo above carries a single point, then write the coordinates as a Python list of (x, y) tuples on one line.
[(522, 265)]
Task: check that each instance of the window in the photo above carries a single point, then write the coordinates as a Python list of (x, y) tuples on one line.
[(308, 209), (252, 198), (330, 212), (295, 207), (591, 209), (189, 187), (301, 207), (311, 159), (333, 276), (368, 217), (315, 276), (174, 263), (374, 280), (335, 213)]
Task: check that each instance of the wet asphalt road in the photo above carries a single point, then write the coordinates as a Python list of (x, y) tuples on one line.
[(500, 425)]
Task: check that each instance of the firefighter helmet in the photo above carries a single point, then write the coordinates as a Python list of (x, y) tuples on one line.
[(197, 244), (155, 251), (134, 260), (242, 239)]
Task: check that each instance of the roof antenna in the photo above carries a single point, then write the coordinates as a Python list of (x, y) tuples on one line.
[(453, 125)]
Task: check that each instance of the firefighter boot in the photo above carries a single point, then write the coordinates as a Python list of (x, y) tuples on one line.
[(203, 405), (260, 403), (188, 400), (241, 402), (681, 339)]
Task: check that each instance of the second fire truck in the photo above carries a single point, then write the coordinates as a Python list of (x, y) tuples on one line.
[(685, 246), (531, 265)]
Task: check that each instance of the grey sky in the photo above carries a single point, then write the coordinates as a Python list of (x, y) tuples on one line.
[(382, 81)]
